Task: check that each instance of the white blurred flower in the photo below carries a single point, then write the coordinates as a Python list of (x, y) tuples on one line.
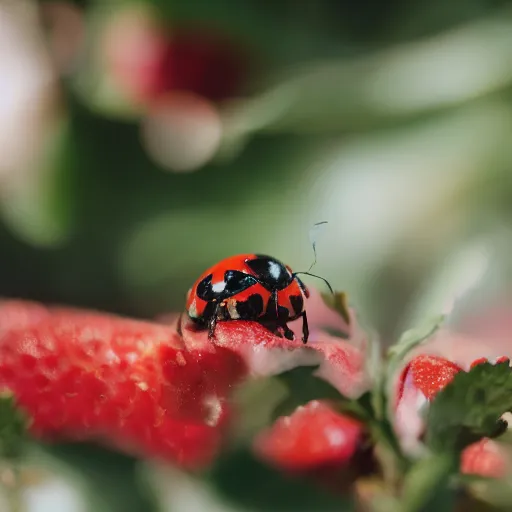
[(182, 131), (29, 119), (27, 87)]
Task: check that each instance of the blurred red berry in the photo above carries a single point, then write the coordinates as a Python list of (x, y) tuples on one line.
[(83, 375), (314, 435), (484, 458), (202, 61), (149, 60), (133, 47)]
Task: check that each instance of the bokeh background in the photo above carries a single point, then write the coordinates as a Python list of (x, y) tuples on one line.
[(142, 141)]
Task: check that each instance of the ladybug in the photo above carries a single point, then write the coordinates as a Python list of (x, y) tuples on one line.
[(249, 287)]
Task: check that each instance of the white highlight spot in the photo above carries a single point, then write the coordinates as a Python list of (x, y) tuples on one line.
[(192, 310), (336, 438), (131, 357), (274, 269), (219, 287), (214, 408)]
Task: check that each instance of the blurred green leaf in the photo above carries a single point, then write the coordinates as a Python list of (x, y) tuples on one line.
[(427, 485), (376, 89), (40, 208), (496, 493), (410, 339), (13, 426), (240, 478), (470, 407), (303, 387), (255, 401), (111, 478), (396, 357), (338, 302)]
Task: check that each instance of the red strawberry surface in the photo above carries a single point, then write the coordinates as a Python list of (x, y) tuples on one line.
[(484, 458), (84, 375), (138, 385), (429, 374), (313, 436), (422, 378), (341, 362)]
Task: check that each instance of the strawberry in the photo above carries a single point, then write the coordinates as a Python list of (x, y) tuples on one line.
[(340, 363), (484, 458), (314, 435), (429, 374), (419, 382), (140, 386), (83, 375)]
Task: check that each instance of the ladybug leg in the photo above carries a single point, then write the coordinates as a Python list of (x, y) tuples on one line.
[(305, 328), (273, 298), (178, 325), (278, 324), (212, 323), (288, 333)]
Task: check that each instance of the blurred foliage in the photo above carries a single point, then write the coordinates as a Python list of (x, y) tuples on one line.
[(391, 120), (13, 426), (264, 489)]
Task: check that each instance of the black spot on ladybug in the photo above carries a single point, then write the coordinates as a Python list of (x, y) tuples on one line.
[(271, 273), (236, 282), (204, 289), (297, 303), (283, 313), (250, 308)]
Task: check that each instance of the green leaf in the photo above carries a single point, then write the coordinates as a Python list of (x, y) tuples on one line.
[(265, 488), (338, 302), (13, 427), (496, 493), (40, 209), (112, 480), (303, 386), (411, 339), (426, 485), (470, 407), (397, 353), (255, 402)]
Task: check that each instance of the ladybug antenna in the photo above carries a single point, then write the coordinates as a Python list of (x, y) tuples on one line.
[(313, 233), (312, 238), (318, 277)]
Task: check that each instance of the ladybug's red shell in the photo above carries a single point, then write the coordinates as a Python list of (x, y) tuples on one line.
[(248, 287)]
